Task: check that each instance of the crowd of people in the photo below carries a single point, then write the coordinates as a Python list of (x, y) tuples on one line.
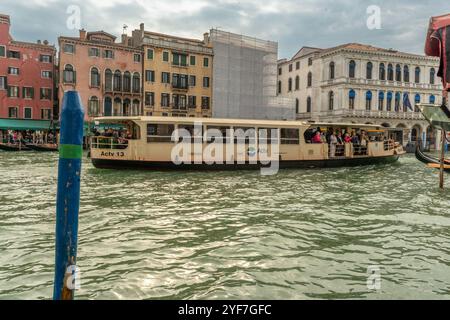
[(337, 139), (120, 137), (27, 137)]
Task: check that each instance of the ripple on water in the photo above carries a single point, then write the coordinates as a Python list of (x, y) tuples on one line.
[(230, 235)]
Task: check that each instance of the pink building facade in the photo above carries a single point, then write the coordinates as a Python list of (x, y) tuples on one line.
[(108, 75), (27, 73)]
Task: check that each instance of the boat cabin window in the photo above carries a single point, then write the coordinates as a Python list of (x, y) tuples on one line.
[(161, 133), (290, 136), (268, 135), (244, 135), (212, 134), (189, 131)]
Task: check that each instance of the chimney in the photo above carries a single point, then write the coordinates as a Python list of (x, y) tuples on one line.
[(206, 37), (38, 42), (46, 42), (82, 34), (142, 26), (124, 39), (4, 19)]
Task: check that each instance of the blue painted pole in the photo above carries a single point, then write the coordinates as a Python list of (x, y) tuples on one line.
[(68, 195)]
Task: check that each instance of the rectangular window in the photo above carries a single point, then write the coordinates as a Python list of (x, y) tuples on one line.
[(205, 82), (205, 103), (206, 62), (149, 76), (13, 92), (46, 94), (27, 113), (165, 77), (13, 112), (150, 54), (192, 81), (13, 71), (2, 51), (290, 68), (94, 52), (47, 74), (179, 59), (137, 57), (3, 83), (180, 81), (14, 54), (160, 132), (192, 60), (69, 48), (297, 65), (28, 92), (108, 54), (45, 58), (166, 56), (150, 99), (46, 114), (290, 136), (280, 71), (192, 102), (165, 100)]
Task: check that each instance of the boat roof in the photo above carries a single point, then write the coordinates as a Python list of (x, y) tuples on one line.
[(242, 122)]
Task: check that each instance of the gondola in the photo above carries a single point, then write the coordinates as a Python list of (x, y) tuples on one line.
[(13, 147), (43, 147), (422, 157)]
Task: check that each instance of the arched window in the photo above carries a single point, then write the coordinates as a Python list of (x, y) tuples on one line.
[(432, 99), (127, 81), (389, 101), (69, 74), (417, 75), (279, 87), (381, 101), (432, 75), (331, 100), (297, 106), (290, 85), (94, 107), (398, 73), (397, 101), (417, 101), (368, 100), (135, 108), (108, 80), (390, 72), (351, 99), (309, 79), (332, 69), (406, 73), (352, 69), (136, 82), (107, 107), (117, 108), (369, 69), (382, 71), (95, 78), (126, 107), (297, 83), (117, 83), (308, 105)]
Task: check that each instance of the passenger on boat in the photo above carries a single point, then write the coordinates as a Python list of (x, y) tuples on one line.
[(347, 138), (317, 137), (340, 140), (333, 143)]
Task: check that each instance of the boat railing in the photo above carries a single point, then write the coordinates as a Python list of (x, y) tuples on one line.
[(360, 150), (108, 143), (389, 145)]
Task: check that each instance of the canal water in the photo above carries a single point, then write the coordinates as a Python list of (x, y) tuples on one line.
[(302, 234)]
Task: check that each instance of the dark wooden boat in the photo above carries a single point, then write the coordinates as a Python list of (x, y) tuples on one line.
[(429, 160), (43, 147), (13, 147)]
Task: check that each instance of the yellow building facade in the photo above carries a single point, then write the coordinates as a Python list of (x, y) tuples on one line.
[(177, 74)]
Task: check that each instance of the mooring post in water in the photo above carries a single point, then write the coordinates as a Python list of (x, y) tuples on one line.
[(443, 147), (68, 196)]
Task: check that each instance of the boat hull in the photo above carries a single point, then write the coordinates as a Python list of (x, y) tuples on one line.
[(12, 147), (422, 157), (303, 164), (43, 148)]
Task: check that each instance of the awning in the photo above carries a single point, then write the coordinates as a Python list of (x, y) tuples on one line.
[(17, 124)]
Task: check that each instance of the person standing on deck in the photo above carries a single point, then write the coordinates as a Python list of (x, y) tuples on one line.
[(333, 143)]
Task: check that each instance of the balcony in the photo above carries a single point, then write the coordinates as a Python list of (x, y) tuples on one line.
[(387, 83), (365, 114)]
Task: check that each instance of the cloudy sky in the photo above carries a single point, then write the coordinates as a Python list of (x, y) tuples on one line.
[(293, 23)]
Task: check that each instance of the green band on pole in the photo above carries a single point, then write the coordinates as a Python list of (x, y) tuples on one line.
[(70, 151)]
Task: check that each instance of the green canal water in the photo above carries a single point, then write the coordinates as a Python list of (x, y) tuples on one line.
[(302, 234)]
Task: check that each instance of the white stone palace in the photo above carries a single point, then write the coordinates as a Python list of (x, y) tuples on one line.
[(358, 83)]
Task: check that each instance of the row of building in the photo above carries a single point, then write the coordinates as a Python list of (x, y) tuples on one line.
[(222, 75)]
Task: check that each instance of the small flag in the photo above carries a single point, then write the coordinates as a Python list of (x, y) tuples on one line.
[(406, 102)]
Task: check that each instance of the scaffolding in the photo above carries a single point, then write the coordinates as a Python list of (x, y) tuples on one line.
[(245, 78)]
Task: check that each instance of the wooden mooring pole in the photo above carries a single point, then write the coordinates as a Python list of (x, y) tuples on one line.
[(443, 147), (68, 196)]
